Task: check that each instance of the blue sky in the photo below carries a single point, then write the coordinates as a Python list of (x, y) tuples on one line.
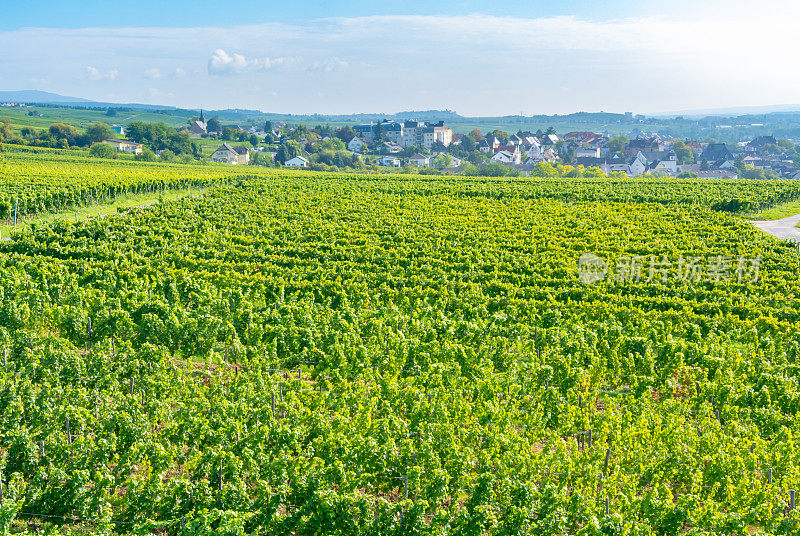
[(194, 13), (477, 58)]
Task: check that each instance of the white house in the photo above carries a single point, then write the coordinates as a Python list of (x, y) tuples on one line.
[(638, 165), (390, 147), (125, 146), (356, 144), (549, 139), (718, 174), (231, 155), (297, 161), (587, 152), (454, 161), (390, 161), (507, 157), (670, 166), (419, 160)]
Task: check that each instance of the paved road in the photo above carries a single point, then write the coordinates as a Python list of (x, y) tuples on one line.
[(783, 228)]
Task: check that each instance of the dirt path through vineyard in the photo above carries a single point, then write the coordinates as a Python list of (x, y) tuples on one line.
[(783, 228)]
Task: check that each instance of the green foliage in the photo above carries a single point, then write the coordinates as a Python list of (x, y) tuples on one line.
[(146, 155), (102, 150), (282, 354), (617, 144), (287, 151), (213, 125), (159, 136), (98, 132), (683, 154)]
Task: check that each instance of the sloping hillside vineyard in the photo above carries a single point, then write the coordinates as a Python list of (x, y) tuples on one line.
[(300, 353)]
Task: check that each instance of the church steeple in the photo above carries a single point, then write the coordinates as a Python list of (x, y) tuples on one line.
[(202, 118)]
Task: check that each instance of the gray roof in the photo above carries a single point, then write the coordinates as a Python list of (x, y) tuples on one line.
[(717, 151)]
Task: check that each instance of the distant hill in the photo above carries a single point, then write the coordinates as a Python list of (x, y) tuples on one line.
[(32, 95), (733, 111)]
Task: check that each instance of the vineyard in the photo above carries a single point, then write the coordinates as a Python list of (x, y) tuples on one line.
[(305, 353)]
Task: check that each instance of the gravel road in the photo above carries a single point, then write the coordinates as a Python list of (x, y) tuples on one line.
[(783, 228)]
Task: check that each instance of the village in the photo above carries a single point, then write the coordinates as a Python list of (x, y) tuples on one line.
[(419, 145), (434, 147)]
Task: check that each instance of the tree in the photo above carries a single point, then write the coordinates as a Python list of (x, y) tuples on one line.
[(346, 134), (494, 169), (167, 156), (268, 128), (378, 132), (98, 132), (617, 144), (159, 136), (683, 154), (442, 161), (543, 169), (476, 134), (146, 155), (258, 158), (102, 150), (469, 170), (62, 132), (468, 143), (287, 151), (254, 140), (5, 129), (111, 112), (213, 125), (501, 135), (228, 134)]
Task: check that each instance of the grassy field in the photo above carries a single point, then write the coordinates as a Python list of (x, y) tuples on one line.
[(77, 214), (304, 353), (82, 118), (777, 212)]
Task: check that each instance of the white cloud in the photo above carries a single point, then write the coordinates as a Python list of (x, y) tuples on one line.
[(222, 63), (95, 74), (476, 64), (153, 74), (274, 63), (328, 66), (158, 94)]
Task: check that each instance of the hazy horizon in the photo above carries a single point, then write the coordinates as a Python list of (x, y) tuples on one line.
[(479, 61)]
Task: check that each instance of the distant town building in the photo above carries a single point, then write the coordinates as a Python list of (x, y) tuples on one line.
[(125, 146), (297, 161), (717, 174), (199, 127), (408, 133), (390, 161), (231, 155), (356, 144), (419, 160), (715, 152)]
